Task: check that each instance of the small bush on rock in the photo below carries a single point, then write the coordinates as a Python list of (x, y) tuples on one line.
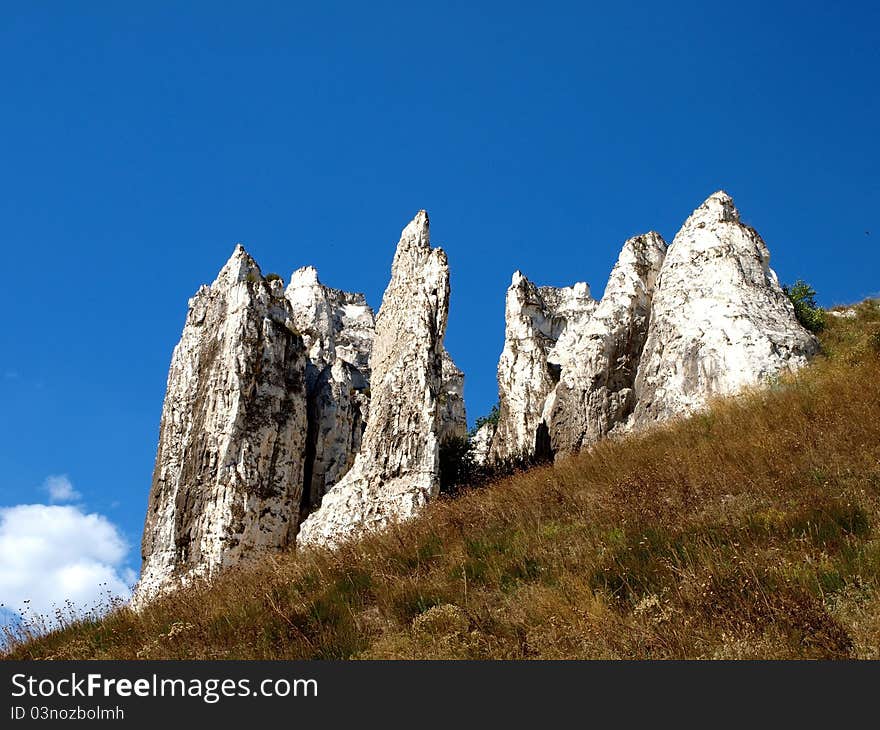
[(808, 313)]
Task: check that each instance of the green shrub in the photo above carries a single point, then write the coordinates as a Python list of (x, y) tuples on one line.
[(273, 277), (808, 313), (492, 418), (459, 471)]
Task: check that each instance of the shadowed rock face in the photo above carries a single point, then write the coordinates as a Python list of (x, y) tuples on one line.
[(720, 321), (229, 469), (535, 319), (598, 361), (337, 328), (397, 469), (453, 419)]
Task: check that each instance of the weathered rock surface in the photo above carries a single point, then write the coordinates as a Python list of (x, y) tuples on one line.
[(337, 328), (397, 469), (453, 418), (229, 468), (598, 359), (298, 409), (333, 323), (481, 443), (720, 321), (673, 330), (535, 319), (338, 408)]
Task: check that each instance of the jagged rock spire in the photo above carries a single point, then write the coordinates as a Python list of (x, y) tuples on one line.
[(337, 328), (535, 319), (229, 468), (397, 469), (599, 360)]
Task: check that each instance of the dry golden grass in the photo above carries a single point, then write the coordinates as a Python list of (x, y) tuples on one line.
[(751, 531)]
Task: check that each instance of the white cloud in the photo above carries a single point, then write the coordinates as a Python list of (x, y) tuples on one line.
[(60, 488), (51, 554)]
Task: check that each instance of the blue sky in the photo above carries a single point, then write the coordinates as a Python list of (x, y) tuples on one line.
[(141, 141)]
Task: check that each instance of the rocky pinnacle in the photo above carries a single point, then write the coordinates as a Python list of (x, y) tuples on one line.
[(720, 321), (397, 469), (229, 469)]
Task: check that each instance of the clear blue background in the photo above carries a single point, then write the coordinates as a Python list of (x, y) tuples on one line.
[(141, 141)]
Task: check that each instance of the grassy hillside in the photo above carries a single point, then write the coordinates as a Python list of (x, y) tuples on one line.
[(750, 531)]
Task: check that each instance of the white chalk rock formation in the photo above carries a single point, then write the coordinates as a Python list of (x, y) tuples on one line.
[(397, 469), (229, 469), (453, 418), (599, 359), (719, 320), (481, 443), (337, 328), (535, 319), (333, 323)]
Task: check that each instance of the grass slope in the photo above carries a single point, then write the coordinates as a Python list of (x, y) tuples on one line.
[(752, 530)]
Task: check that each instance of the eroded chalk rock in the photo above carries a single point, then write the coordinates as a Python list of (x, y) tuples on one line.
[(397, 469), (598, 359), (338, 329), (453, 418), (720, 321), (535, 319), (229, 469)]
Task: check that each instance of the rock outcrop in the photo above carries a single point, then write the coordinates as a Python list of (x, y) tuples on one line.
[(337, 328), (397, 469), (535, 319), (297, 415), (719, 322), (333, 323), (673, 330), (599, 360), (229, 469), (453, 417), (481, 443)]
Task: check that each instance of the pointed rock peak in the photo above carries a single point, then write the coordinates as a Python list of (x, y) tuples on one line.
[(717, 208), (520, 282), (648, 245), (652, 238), (239, 266), (517, 278), (305, 276), (417, 232)]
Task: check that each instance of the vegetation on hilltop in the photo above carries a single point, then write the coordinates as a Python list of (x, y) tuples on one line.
[(748, 531)]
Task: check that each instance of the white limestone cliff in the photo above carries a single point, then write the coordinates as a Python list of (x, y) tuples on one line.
[(333, 323), (228, 475), (535, 319), (598, 360), (453, 419), (396, 471), (338, 329), (481, 443), (297, 410), (720, 321)]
